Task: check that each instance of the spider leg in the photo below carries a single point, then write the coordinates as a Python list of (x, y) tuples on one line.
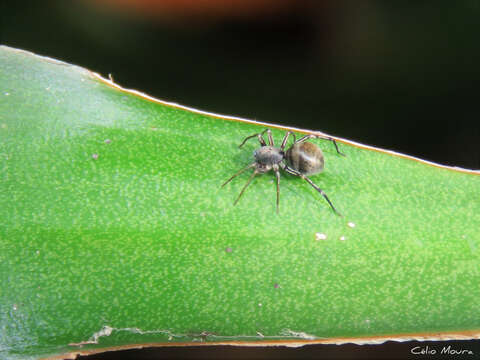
[(238, 173), (277, 174), (270, 137), (260, 138), (285, 139), (311, 136), (246, 185), (296, 173)]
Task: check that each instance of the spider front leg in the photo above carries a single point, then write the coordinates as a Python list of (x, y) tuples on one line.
[(248, 182), (238, 173), (311, 136), (277, 175), (299, 174), (260, 138), (245, 187), (285, 139)]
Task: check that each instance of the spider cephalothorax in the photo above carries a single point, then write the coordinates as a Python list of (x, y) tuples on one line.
[(301, 159)]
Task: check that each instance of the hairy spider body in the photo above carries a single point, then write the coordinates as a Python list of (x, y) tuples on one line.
[(268, 156), (301, 159)]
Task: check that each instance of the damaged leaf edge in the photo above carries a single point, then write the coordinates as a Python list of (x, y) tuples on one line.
[(298, 342)]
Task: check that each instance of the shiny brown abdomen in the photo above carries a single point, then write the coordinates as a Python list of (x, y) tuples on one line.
[(306, 158)]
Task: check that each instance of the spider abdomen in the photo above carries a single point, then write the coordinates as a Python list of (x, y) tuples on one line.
[(306, 158)]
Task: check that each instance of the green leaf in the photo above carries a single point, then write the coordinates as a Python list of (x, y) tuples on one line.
[(115, 231)]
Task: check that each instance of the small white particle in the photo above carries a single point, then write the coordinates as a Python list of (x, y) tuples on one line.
[(6, 94), (15, 307), (320, 236), (342, 238), (107, 141), (351, 224), (95, 156), (37, 252), (259, 304), (260, 334)]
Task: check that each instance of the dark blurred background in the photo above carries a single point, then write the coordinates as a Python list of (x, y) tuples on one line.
[(399, 75)]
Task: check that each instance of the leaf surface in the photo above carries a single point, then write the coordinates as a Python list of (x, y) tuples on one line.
[(114, 231)]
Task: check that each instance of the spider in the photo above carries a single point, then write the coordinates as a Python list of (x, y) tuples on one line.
[(301, 159)]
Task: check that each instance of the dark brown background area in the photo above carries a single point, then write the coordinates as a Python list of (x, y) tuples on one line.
[(399, 75)]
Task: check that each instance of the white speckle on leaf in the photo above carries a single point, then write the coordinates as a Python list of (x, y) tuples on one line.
[(260, 304), (351, 224), (108, 330), (94, 156), (15, 307), (298, 334), (107, 141), (105, 331), (343, 238), (6, 94), (320, 236)]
